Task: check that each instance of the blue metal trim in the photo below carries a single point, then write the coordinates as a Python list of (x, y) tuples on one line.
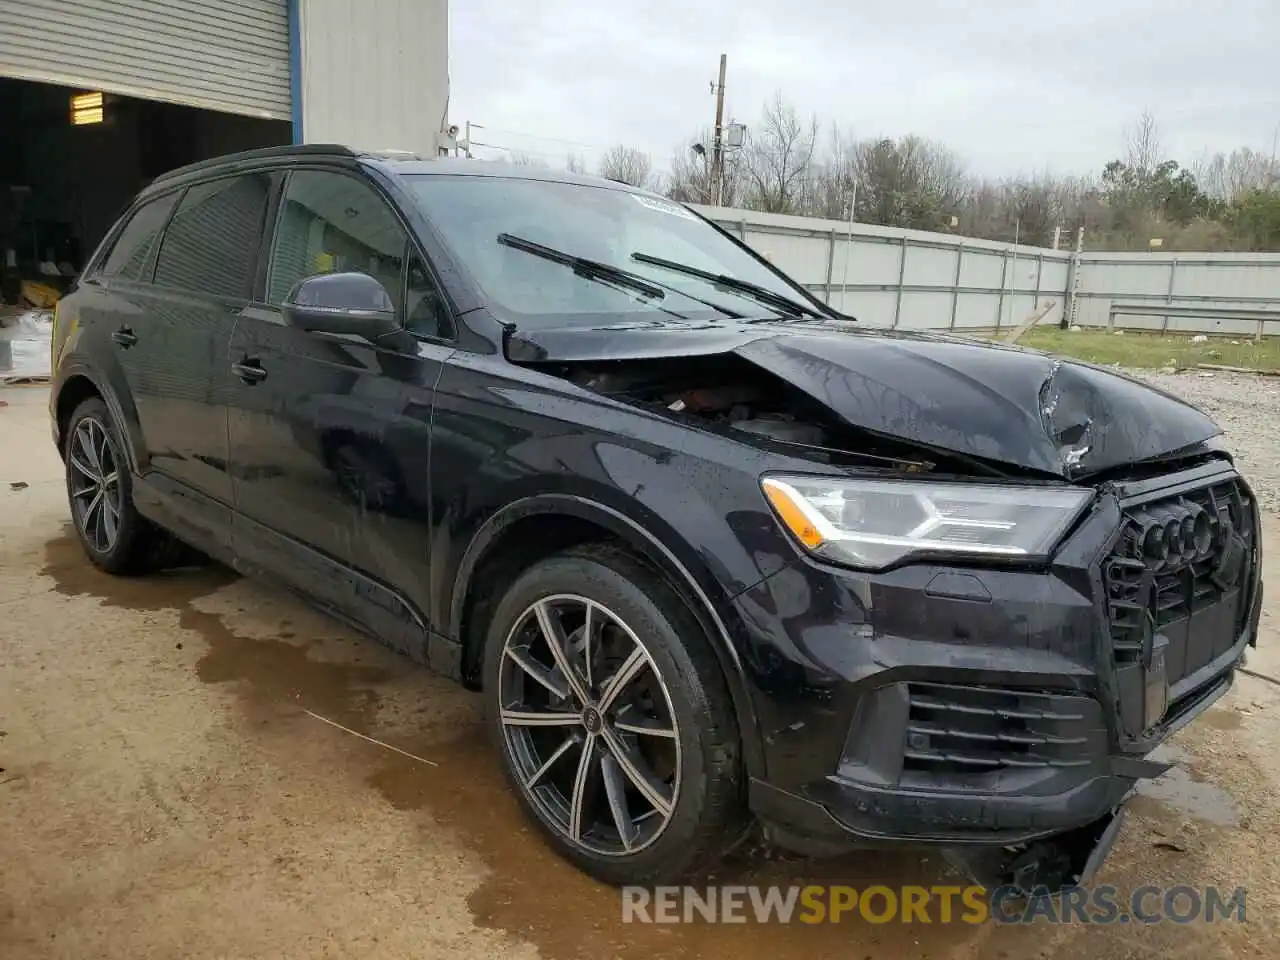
[(295, 67)]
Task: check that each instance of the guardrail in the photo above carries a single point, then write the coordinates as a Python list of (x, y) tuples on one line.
[(1166, 310)]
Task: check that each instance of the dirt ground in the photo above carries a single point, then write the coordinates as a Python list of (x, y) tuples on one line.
[(170, 788)]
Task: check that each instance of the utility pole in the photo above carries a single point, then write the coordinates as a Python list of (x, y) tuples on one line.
[(848, 244), (1013, 274), (1073, 284), (717, 147)]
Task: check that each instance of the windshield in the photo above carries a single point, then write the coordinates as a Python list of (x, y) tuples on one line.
[(595, 223)]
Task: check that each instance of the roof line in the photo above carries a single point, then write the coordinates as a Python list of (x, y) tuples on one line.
[(263, 153)]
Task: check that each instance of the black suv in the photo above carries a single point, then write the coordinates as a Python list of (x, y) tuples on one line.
[(713, 555)]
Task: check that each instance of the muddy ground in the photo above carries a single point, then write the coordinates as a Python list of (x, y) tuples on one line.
[(171, 788)]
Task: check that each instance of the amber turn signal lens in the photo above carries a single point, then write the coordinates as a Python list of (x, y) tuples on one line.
[(792, 514)]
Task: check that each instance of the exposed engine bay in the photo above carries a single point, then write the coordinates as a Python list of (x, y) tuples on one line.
[(902, 402), (729, 393)]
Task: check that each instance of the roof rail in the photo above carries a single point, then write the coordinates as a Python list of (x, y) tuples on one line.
[(263, 153), (390, 153)]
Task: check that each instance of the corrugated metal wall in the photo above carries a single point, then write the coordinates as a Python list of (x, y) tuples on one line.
[(232, 55), (375, 75), (1216, 280), (915, 280), (907, 278)]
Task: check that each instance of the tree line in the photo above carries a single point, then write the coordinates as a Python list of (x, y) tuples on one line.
[(1144, 199)]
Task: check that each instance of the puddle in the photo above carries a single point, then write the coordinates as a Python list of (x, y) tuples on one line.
[(529, 892), (277, 672), (1180, 790), (535, 896)]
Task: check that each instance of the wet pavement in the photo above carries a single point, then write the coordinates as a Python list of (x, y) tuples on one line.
[(180, 778)]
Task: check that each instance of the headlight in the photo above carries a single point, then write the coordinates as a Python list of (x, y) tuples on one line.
[(876, 523)]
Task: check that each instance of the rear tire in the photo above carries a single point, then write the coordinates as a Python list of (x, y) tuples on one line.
[(631, 766), (114, 535)]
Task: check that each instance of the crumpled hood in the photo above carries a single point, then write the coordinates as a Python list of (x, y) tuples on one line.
[(1002, 404)]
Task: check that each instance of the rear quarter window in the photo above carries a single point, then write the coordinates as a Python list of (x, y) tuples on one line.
[(130, 252)]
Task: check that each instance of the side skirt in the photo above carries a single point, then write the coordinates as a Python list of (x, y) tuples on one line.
[(250, 548)]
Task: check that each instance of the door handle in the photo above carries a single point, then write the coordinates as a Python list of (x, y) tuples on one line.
[(249, 370), (125, 337)]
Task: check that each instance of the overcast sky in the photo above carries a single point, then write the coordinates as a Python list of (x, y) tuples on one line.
[(1014, 86)]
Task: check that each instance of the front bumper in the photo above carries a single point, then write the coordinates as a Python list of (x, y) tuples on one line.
[(994, 707)]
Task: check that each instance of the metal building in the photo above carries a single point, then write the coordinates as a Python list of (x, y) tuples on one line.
[(97, 97)]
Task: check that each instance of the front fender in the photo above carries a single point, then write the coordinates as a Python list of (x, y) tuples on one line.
[(672, 557), (707, 600)]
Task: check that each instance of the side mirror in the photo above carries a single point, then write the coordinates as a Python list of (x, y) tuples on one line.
[(344, 303)]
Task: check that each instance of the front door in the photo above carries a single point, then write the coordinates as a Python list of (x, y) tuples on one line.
[(330, 436)]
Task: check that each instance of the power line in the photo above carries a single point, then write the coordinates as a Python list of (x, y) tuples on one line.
[(506, 149), (536, 136)]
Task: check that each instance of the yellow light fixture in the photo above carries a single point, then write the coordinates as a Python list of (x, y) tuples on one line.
[(791, 510), (87, 108)]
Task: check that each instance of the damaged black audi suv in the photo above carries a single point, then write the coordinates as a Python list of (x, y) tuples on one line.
[(713, 555)]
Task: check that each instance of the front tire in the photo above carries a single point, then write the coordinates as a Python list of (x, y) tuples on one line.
[(114, 535), (613, 719)]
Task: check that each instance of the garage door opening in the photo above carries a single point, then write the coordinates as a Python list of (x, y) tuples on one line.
[(63, 183)]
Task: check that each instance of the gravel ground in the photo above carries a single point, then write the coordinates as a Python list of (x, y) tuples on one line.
[(1248, 408)]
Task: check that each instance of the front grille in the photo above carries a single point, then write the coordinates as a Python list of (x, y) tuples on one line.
[(1181, 570), (958, 732)]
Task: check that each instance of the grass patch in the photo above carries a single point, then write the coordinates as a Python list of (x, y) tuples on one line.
[(1154, 350)]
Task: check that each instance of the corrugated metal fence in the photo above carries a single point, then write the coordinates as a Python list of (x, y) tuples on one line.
[(915, 280)]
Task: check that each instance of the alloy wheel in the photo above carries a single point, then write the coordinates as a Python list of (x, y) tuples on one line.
[(588, 725), (96, 495)]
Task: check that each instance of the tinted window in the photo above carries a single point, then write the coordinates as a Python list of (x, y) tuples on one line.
[(131, 250), (212, 239), (331, 223)]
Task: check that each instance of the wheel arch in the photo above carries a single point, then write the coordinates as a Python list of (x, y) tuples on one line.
[(80, 384), (564, 520), (74, 391)]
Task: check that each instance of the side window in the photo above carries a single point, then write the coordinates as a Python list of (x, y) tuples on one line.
[(210, 244), (425, 310), (329, 223), (133, 246)]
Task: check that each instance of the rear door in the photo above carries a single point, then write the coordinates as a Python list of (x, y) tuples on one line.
[(330, 435), (172, 336)]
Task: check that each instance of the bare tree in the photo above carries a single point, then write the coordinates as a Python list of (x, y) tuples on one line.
[(777, 158), (1030, 208), (626, 165), (690, 178), (832, 178), (575, 163), (1143, 150), (1228, 201), (1230, 176)]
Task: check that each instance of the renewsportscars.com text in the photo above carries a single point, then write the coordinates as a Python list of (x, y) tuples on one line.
[(816, 904)]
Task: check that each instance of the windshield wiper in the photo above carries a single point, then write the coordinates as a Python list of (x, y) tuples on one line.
[(607, 273), (734, 285), (592, 269)]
